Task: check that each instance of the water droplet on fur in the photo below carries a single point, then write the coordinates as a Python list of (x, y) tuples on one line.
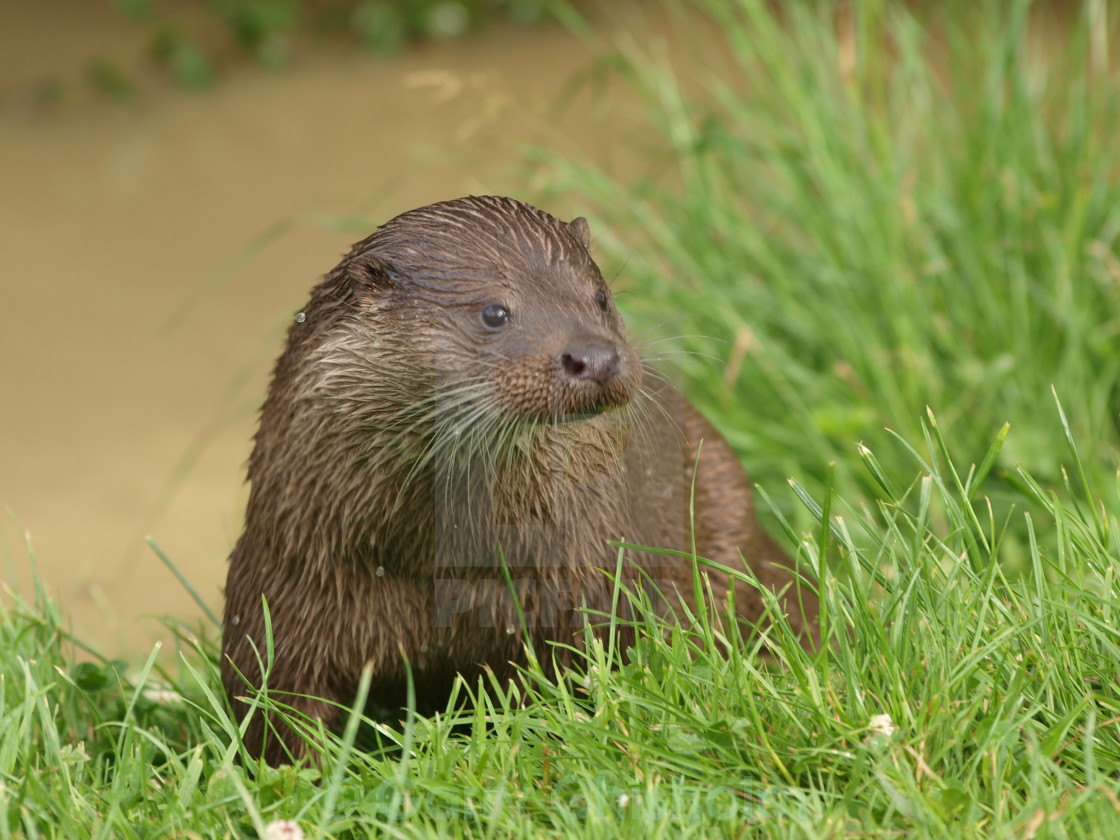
[(235, 620), (379, 571), (510, 629), (301, 317)]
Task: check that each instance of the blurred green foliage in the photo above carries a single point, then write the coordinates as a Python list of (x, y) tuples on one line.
[(870, 208), (188, 41)]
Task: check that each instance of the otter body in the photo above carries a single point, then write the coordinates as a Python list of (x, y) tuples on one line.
[(458, 397)]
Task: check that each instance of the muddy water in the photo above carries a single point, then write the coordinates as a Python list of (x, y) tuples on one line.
[(152, 255)]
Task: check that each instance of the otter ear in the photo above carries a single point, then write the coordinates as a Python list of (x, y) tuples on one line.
[(582, 231), (369, 272)]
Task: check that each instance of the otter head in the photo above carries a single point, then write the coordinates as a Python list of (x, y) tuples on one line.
[(506, 306)]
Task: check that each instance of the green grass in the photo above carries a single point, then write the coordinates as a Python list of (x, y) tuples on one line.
[(867, 238), (1002, 697), (858, 238)]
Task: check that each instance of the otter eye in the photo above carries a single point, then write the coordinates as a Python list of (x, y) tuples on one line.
[(601, 299), (495, 316)]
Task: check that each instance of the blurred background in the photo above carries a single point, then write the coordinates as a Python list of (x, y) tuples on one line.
[(868, 207)]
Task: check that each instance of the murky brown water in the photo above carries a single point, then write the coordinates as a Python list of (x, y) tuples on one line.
[(131, 381)]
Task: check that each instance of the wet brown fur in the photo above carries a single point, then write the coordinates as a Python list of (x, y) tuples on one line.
[(406, 448)]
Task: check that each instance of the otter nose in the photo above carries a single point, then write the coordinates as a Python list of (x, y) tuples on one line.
[(597, 362)]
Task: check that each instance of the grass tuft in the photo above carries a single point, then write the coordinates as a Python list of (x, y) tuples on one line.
[(866, 209)]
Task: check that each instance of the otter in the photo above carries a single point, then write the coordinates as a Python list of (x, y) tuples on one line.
[(456, 438)]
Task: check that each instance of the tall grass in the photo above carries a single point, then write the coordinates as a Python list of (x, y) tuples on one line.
[(864, 210), (869, 233)]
